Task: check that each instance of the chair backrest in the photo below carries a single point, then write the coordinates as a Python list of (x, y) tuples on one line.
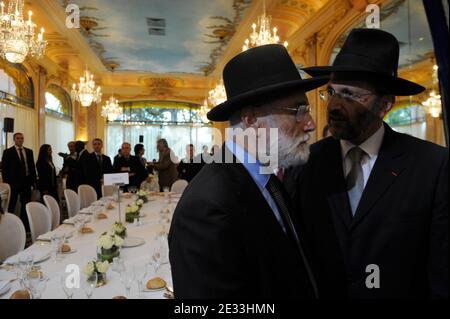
[(72, 202), (40, 219), (53, 207), (87, 194), (12, 236), (5, 195), (179, 186), (108, 190)]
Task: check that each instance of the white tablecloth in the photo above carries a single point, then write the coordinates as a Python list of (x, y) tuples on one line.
[(85, 245)]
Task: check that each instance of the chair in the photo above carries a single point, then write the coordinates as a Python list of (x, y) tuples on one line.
[(87, 195), (12, 236), (40, 219), (179, 186), (72, 202), (5, 195), (108, 190), (53, 207)]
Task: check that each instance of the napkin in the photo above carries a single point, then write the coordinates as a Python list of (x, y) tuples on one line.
[(69, 221), (39, 255), (3, 284), (48, 236)]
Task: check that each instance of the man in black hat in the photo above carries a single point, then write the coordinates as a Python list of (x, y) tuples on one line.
[(232, 234), (374, 202)]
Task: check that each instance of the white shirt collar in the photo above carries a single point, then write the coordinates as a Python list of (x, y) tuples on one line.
[(371, 146)]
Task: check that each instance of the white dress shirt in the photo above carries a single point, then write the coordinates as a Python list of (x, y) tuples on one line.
[(371, 146)]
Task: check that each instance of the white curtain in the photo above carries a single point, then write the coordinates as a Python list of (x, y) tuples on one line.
[(418, 129), (25, 121), (58, 133), (177, 137)]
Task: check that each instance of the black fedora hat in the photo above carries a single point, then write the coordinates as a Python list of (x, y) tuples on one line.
[(256, 74), (373, 53)]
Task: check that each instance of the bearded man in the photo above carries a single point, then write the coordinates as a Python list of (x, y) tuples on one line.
[(375, 202), (232, 233)]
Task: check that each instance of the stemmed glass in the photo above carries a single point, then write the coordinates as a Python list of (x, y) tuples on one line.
[(25, 263), (57, 242), (37, 285), (127, 278), (89, 283), (68, 290), (140, 271)]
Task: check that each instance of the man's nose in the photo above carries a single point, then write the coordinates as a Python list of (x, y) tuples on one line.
[(309, 124)]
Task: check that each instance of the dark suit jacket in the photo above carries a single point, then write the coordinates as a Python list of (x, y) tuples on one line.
[(12, 171), (47, 176), (187, 169), (69, 170), (94, 173), (401, 223), (80, 170), (225, 241), (140, 173), (167, 170)]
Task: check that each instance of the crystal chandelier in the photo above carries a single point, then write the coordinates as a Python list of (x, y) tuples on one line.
[(17, 36), (262, 33), (217, 95), (433, 103), (111, 110), (87, 92)]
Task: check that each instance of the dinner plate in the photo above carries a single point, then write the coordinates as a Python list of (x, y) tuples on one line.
[(38, 257), (129, 242), (5, 288)]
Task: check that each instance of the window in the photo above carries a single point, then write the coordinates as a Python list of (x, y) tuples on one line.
[(409, 119), (16, 86), (58, 103)]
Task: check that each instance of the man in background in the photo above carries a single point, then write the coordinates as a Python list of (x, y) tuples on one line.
[(190, 165), (166, 168), (69, 166), (97, 164), (130, 164)]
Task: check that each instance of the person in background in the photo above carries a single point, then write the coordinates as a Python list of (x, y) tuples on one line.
[(166, 168), (119, 154), (19, 171), (151, 183), (190, 165), (139, 152), (47, 183), (69, 166), (130, 164), (97, 164), (214, 150), (80, 165)]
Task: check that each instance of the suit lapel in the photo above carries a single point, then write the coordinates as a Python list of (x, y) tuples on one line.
[(336, 193), (388, 166)]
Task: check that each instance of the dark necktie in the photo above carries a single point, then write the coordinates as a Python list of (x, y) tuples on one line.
[(281, 199), (99, 160), (22, 161)]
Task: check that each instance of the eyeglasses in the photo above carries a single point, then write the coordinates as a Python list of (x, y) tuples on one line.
[(300, 111), (327, 94)]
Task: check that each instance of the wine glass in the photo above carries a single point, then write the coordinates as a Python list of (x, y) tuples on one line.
[(140, 271), (127, 278), (37, 285), (57, 241), (89, 282), (68, 289)]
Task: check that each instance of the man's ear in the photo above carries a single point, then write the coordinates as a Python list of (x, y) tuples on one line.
[(249, 118), (387, 103)]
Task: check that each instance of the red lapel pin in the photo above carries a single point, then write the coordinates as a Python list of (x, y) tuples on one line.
[(394, 173)]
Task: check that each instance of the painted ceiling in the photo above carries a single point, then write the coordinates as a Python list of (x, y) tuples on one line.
[(160, 36)]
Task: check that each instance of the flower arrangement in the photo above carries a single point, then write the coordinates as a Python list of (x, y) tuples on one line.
[(120, 230), (132, 212), (99, 267), (142, 195), (108, 246)]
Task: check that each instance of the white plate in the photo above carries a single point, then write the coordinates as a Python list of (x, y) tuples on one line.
[(132, 242), (5, 289), (38, 257)]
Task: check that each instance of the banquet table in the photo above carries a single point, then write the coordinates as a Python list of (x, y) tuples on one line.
[(86, 250)]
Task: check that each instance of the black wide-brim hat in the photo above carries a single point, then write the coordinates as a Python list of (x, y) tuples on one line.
[(374, 54), (259, 74)]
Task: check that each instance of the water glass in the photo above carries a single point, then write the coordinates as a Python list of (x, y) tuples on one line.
[(57, 241), (89, 283), (141, 273), (37, 286), (118, 264), (67, 287), (127, 278)]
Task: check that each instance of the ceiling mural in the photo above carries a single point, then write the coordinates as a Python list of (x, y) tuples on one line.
[(160, 36)]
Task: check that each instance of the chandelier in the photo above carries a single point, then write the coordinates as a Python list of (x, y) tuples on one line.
[(433, 103), (111, 110), (262, 33), (87, 92), (17, 36), (217, 95)]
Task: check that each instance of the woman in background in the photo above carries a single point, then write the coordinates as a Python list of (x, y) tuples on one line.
[(46, 170)]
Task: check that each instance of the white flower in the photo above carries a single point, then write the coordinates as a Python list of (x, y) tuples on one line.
[(89, 269), (118, 241), (118, 228), (105, 241), (102, 267), (140, 202), (128, 209), (134, 208)]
